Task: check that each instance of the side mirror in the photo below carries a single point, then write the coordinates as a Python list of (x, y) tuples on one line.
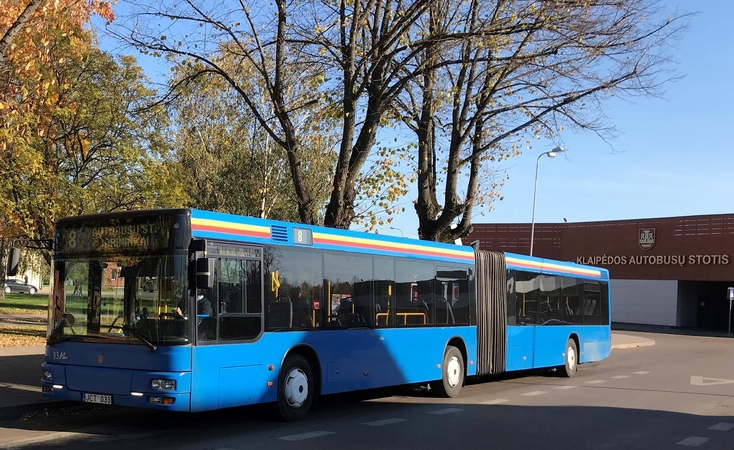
[(13, 260), (205, 273), (197, 245)]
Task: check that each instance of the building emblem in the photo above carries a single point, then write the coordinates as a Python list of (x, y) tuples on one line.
[(646, 238)]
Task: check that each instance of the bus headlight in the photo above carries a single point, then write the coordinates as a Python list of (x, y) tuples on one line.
[(163, 385)]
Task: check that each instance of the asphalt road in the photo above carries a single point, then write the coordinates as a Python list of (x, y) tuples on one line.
[(674, 395)]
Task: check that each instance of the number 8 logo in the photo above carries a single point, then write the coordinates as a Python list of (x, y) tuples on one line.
[(72, 239)]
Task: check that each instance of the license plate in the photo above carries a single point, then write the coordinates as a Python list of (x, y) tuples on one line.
[(98, 398)]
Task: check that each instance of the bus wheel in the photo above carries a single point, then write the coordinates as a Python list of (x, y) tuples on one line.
[(572, 363), (295, 388), (452, 374)]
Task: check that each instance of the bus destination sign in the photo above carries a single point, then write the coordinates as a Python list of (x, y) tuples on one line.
[(122, 236)]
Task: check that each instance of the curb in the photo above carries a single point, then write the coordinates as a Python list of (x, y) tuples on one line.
[(634, 345)]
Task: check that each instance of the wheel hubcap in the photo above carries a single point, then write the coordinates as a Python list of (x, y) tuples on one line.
[(453, 371), (571, 356), (296, 387)]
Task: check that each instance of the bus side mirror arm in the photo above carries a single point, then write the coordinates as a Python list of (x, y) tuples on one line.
[(13, 260), (14, 254), (205, 273)]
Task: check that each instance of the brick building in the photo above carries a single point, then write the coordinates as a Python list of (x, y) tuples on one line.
[(668, 271)]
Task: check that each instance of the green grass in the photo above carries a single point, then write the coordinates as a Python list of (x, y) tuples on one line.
[(24, 304)]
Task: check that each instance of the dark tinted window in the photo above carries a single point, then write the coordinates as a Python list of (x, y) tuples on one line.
[(551, 300), (294, 292), (384, 291), (527, 287), (240, 294), (512, 310), (415, 305), (451, 293), (349, 284)]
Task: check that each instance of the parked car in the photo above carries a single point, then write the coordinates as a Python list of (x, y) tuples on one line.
[(150, 285), (16, 286)]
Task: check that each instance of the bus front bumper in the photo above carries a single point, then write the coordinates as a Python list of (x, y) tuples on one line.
[(137, 392)]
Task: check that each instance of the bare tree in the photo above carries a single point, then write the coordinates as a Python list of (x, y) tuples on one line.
[(525, 69), (347, 55), (470, 77), (255, 37)]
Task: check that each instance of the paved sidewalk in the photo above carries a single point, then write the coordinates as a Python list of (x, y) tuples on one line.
[(20, 376), (620, 341), (20, 381)]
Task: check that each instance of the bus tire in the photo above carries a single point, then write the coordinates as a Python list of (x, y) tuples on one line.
[(295, 388), (572, 359), (452, 371)]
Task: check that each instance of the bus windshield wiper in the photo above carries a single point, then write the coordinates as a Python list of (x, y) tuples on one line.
[(139, 336)]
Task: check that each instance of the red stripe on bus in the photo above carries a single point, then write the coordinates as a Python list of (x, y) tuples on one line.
[(535, 265), (385, 246), (215, 229)]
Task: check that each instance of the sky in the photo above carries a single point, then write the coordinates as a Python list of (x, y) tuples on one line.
[(672, 156)]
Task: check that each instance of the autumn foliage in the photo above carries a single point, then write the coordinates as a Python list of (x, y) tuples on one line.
[(78, 134)]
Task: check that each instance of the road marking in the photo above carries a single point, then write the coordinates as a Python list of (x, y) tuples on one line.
[(596, 381), (704, 381), (641, 373), (379, 423), (693, 441), (303, 436), (565, 387), (534, 393), (722, 426), (495, 401), (619, 377), (445, 411)]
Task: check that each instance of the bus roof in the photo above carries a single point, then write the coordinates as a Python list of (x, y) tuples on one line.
[(231, 227), (554, 267), (214, 225)]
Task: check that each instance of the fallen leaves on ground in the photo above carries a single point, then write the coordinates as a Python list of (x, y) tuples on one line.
[(22, 335), (11, 310)]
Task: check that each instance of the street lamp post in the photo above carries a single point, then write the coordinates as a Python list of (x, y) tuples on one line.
[(550, 154), (398, 229)]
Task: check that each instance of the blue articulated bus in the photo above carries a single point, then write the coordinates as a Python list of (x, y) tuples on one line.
[(189, 310)]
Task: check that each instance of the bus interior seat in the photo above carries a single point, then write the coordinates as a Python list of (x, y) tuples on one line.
[(207, 328), (280, 314), (302, 312), (347, 314), (444, 312)]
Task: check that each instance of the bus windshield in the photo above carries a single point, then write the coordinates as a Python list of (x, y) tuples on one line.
[(125, 299)]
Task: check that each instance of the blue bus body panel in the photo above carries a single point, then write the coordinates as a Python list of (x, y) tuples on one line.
[(595, 343), (520, 346), (118, 370), (550, 343), (537, 346), (349, 360)]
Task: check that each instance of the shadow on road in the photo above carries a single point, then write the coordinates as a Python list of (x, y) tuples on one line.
[(505, 426)]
